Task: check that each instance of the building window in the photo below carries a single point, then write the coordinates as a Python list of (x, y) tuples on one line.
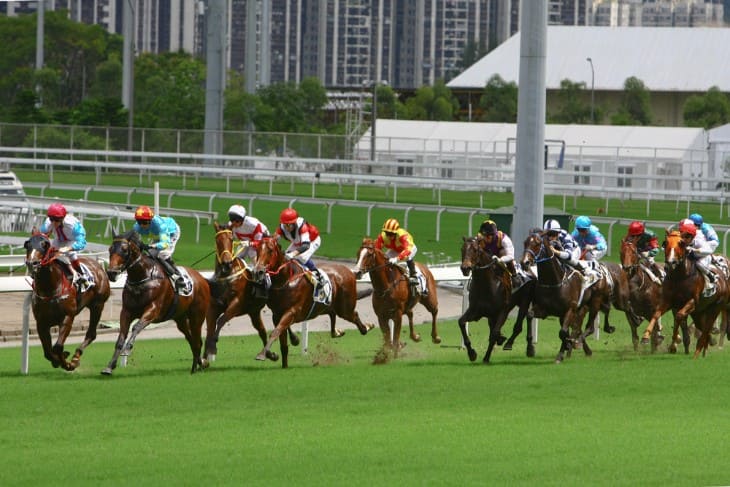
[(404, 170), (626, 172), (582, 179), (447, 171)]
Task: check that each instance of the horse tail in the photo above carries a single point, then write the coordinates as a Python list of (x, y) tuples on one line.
[(364, 293)]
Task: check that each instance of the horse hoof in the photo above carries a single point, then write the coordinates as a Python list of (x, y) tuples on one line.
[(644, 340), (261, 356), (416, 338), (436, 339), (272, 356), (107, 371), (609, 329), (338, 333), (501, 339), (210, 357), (507, 346), (530, 351), (294, 339), (472, 355)]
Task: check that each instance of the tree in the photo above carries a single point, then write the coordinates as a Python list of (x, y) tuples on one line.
[(287, 107), (432, 103), (572, 109), (708, 110), (240, 106), (499, 101), (635, 106)]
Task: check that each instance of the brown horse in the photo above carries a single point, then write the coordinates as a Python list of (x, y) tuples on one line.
[(56, 302), (392, 296), (291, 299), (234, 293), (559, 292), (645, 291), (150, 297), (682, 292), (491, 296)]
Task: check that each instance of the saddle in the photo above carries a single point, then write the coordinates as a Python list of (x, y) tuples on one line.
[(322, 292)]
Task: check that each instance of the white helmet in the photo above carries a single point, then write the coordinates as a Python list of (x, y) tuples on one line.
[(236, 212), (551, 225)]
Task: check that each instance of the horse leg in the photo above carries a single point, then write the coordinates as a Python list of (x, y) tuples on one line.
[(652, 323), (124, 320), (188, 328), (258, 325), (353, 316), (494, 336), (397, 326), (129, 345), (293, 337), (416, 337), (94, 318), (334, 332), (45, 336), (564, 336), (432, 306), (63, 331), (284, 348), (468, 316), (283, 323), (212, 328), (606, 326)]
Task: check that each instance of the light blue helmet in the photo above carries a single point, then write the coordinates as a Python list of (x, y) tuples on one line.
[(582, 222), (697, 219)]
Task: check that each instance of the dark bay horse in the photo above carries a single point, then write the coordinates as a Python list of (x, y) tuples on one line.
[(491, 296), (682, 292), (56, 301), (291, 295), (559, 292), (150, 297), (234, 293), (645, 292), (392, 297)]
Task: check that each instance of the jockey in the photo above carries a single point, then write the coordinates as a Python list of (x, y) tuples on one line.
[(589, 239), (698, 248), (709, 233), (500, 246), (400, 245), (247, 229), (70, 238), (646, 244), (303, 237), (567, 248), (164, 233)]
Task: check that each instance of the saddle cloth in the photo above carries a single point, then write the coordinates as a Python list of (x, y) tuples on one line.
[(187, 290), (323, 292), (90, 279)]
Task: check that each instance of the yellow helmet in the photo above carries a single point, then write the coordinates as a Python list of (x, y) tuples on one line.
[(391, 225)]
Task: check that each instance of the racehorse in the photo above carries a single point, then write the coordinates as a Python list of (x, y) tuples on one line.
[(491, 296), (56, 301), (233, 293), (645, 291), (392, 296), (559, 292), (682, 292), (291, 299), (150, 297)]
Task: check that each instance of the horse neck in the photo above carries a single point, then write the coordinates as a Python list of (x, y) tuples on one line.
[(49, 279), (382, 276), (142, 268), (549, 271)]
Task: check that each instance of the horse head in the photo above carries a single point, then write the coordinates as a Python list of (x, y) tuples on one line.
[(368, 257), (629, 254), (533, 248), (224, 257), (269, 259), (124, 252), (473, 254), (675, 250), (38, 251)]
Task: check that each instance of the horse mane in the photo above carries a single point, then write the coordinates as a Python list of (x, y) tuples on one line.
[(132, 236)]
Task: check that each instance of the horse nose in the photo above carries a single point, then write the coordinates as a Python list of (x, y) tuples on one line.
[(465, 271), (112, 275)]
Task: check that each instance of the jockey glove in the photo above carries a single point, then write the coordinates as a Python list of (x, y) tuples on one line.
[(64, 250), (144, 246), (393, 260), (564, 255), (289, 255), (589, 247)]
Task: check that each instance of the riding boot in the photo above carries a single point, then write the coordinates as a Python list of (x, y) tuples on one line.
[(576, 265), (516, 281), (412, 271), (174, 274), (316, 276), (78, 273)]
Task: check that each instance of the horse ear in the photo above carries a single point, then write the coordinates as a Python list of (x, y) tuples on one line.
[(34, 231)]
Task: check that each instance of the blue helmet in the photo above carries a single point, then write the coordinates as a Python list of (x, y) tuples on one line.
[(697, 219), (582, 222)]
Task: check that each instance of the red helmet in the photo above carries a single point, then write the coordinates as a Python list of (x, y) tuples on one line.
[(289, 215), (391, 225), (56, 210), (687, 226), (636, 228), (144, 213)]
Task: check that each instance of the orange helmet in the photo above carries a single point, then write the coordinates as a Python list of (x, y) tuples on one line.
[(144, 213), (391, 225), (636, 228), (289, 215), (56, 210), (687, 226)]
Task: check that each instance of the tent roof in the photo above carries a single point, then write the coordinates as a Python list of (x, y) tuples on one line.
[(691, 59)]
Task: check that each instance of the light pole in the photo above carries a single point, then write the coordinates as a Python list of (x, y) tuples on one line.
[(593, 92)]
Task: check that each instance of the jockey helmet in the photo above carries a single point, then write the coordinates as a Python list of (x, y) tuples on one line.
[(688, 226), (551, 225), (289, 215), (144, 213), (636, 228), (488, 227), (236, 212), (56, 210), (583, 223), (391, 225), (697, 219)]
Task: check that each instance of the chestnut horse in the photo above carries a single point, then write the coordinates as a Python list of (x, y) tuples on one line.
[(559, 292), (682, 292), (291, 300), (56, 301), (234, 293), (645, 291), (392, 296), (150, 297), (491, 296)]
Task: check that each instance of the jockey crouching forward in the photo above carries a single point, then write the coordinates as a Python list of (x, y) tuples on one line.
[(567, 248), (699, 250), (69, 238), (590, 241), (304, 240), (647, 245), (164, 234), (400, 246), (500, 246), (248, 230)]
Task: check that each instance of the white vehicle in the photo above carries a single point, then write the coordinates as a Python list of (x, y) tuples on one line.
[(14, 217)]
